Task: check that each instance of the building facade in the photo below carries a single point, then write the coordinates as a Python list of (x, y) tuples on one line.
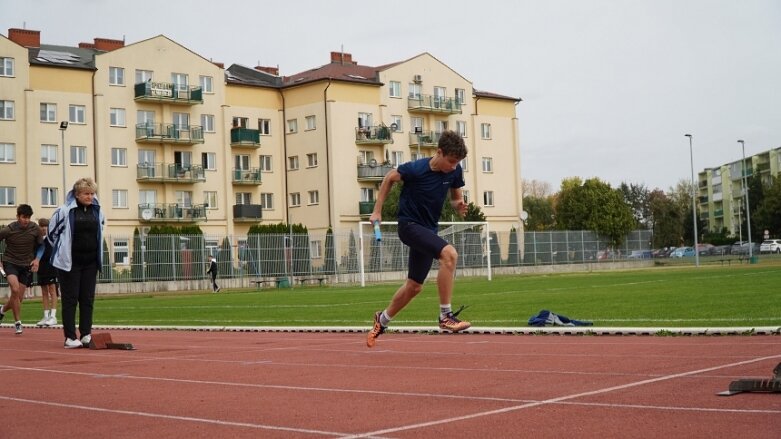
[(173, 138)]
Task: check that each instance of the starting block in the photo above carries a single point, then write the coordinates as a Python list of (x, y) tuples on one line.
[(773, 385), (103, 341)]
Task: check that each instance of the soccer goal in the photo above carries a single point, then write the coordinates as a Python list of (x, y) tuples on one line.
[(381, 253)]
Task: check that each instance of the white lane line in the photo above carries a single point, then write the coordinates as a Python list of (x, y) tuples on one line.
[(556, 400), (173, 417)]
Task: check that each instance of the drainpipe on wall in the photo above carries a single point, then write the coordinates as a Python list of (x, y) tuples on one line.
[(327, 152), (474, 155), (94, 135), (284, 157)]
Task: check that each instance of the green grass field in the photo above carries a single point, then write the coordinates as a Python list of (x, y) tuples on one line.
[(709, 296)]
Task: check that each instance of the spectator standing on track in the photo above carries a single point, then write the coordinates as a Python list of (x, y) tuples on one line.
[(23, 249), (213, 270), (47, 279), (76, 236), (427, 182)]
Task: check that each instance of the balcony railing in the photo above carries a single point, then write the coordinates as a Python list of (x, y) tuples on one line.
[(373, 135), (718, 213), (244, 213), (433, 104), (424, 139), (373, 171), (169, 133), (168, 92), (365, 208), (245, 137), (169, 173), (171, 212), (246, 176)]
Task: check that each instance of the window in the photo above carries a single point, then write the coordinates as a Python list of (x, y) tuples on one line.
[(311, 160), (7, 153), (367, 194), (461, 128), (184, 198), (440, 94), (397, 158), (117, 117), (183, 158), (207, 122), (210, 199), (441, 126), (315, 249), (180, 81), (364, 120), (416, 156), (314, 197), (488, 198), (295, 199), (145, 117), (143, 76), (6, 66), (264, 126), (465, 196), (78, 155), (49, 154), (147, 197), (292, 126), (366, 157), (460, 96), (310, 123), (209, 161), (292, 163), (207, 84), (76, 114), (464, 164), (397, 120), (265, 163), (118, 156), (121, 252), (7, 196), (48, 112), (241, 162), (488, 164), (414, 91), (485, 130), (146, 157), (267, 200), (243, 198), (240, 122), (116, 76), (119, 198), (181, 121), (48, 196), (416, 124), (6, 110), (394, 88)]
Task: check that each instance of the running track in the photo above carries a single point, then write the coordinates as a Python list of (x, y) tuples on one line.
[(187, 384)]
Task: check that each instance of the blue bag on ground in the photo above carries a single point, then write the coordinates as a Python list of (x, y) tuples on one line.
[(548, 318)]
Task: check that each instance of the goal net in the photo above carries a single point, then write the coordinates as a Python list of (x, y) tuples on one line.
[(386, 259)]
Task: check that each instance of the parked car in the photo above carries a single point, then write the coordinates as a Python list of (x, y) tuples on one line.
[(741, 248), (705, 249), (770, 246), (721, 250), (682, 252), (640, 254)]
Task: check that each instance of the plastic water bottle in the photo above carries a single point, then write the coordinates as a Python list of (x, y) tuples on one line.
[(377, 232)]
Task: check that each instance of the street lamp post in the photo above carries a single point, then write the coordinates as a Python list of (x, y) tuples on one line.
[(694, 203), (748, 208), (63, 127)]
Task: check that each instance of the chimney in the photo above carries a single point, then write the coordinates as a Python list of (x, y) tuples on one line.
[(25, 37), (108, 45), (86, 46), (270, 70), (342, 58)]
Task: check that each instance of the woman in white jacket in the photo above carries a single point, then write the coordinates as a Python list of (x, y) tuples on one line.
[(76, 237)]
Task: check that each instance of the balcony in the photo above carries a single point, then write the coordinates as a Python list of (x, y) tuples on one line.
[(249, 176), (718, 213), (247, 213), (377, 135), (365, 208), (373, 171), (763, 167), (245, 138), (168, 92), (424, 139), (433, 104), (172, 212), (169, 173), (169, 133)]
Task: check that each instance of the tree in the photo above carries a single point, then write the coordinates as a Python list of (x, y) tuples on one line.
[(594, 206), (666, 220), (536, 188), (540, 212), (767, 213), (637, 198)]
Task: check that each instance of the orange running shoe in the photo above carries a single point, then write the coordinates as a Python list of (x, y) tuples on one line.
[(378, 329), (451, 323)]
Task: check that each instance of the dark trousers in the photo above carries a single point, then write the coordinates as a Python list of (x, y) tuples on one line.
[(214, 281), (77, 287)]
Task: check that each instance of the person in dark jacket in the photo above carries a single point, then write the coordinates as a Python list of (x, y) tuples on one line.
[(76, 236), (213, 271), (47, 280)]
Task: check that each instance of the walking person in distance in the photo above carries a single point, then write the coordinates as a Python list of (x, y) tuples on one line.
[(213, 272)]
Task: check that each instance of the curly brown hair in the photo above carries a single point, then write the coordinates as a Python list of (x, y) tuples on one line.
[(452, 145)]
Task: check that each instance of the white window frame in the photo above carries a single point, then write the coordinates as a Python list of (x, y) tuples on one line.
[(264, 127), (488, 164), (441, 126), (48, 112), (365, 120), (209, 161), (49, 196), (7, 67), (365, 156), (78, 155), (119, 157), (266, 163), (147, 157), (242, 162), (119, 198), (394, 89), (316, 249), (207, 84), (207, 122), (210, 199), (7, 153), (461, 96), (311, 160), (397, 158), (311, 123), (243, 198), (292, 163), (461, 128), (314, 197), (488, 198), (367, 194), (50, 154), (415, 123), (399, 121), (116, 76), (7, 196), (7, 110), (485, 131), (143, 75), (295, 199), (181, 81), (414, 91), (464, 164), (147, 197), (77, 114), (292, 126), (121, 252), (267, 200), (117, 117)]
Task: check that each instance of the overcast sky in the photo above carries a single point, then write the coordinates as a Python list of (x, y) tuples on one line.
[(609, 87)]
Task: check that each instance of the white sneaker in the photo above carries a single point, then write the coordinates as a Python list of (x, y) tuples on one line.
[(72, 344), (43, 322), (85, 340), (51, 321)]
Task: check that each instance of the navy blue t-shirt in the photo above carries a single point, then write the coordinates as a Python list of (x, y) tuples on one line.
[(424, 191)]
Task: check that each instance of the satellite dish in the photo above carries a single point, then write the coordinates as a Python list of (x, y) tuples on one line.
[(524, 215), (147, 214)]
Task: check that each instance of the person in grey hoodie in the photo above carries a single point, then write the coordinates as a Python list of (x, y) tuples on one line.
[(76, 236)]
